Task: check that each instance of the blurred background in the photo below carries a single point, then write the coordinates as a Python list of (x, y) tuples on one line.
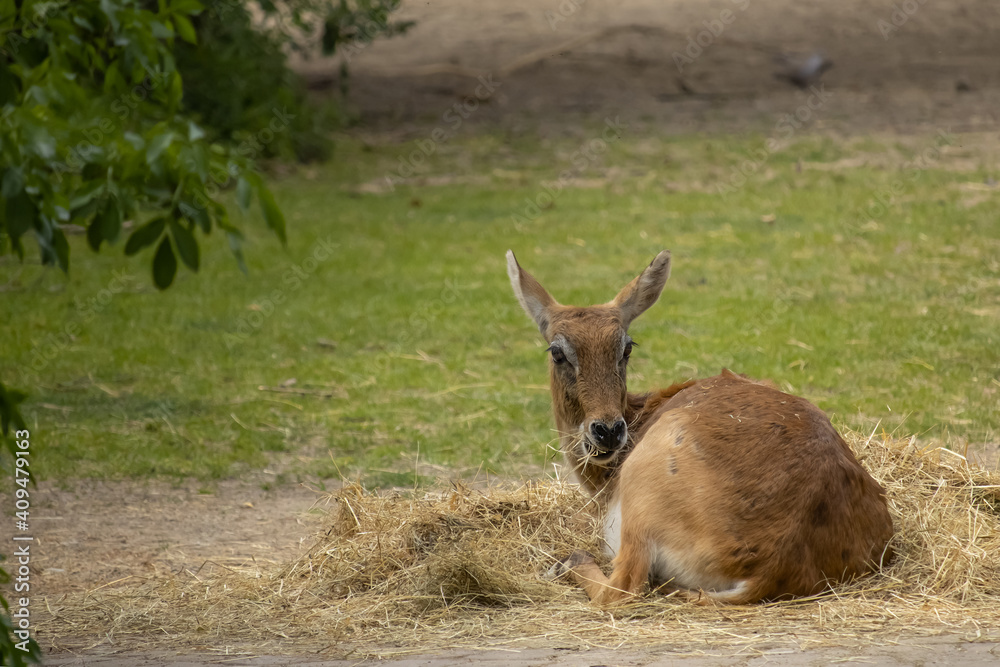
[(246, 246), (262, 243), (825, 174), (688, 66)]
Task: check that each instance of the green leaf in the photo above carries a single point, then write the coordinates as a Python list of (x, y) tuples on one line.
[(13, 183), (162, 29), (197, 161), (185, 29), (21, 215), (236, 246), (135, 140), (59, 203), (244, 192), (176, 91), (111, 221), (43, 235), (272, 214), (94, 236), (145, 236), (40, 142), (107, 224), (164, 265), (8, 14), (61, 247), (187, 246), (157, 146), (113, 79), (196, 214), (83, 22), (194, 132), (87, 192), (9, 412), (111, 9), (186, 6), (8, 82)]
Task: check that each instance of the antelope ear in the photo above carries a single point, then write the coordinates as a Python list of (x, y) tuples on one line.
[(643, 292), (531, 295)]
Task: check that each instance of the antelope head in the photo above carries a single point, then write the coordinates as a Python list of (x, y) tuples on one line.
[(589, 351)]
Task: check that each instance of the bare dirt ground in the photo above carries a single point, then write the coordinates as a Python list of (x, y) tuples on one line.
[(104, 532), (560, 62), (937, 70), (928, 653), (91, 534)]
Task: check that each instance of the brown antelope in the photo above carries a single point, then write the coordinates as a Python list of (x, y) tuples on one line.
[(723, 489)]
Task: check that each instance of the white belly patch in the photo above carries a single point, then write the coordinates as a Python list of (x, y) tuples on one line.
[(678, 567), (681, 570)]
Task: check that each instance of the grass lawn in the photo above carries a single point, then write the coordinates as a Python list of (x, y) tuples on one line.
[(841, 269)]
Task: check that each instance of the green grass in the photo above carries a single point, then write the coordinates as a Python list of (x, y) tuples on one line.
[(891, 318)]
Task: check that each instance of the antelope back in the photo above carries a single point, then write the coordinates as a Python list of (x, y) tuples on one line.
[(748, 489)]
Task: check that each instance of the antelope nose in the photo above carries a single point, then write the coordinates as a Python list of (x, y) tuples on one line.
[(608, 438)]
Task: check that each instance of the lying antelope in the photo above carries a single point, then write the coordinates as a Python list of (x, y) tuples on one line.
[(723, 489)]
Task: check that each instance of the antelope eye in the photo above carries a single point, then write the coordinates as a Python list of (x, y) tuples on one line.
[(628, 350), (557, 355)]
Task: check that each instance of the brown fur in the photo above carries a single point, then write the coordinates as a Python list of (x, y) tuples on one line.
[(729, 489)]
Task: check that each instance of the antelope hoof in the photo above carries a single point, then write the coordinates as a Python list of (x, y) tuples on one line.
[(563, 567)]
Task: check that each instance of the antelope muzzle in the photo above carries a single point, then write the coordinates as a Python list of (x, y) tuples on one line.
[(602, 440)]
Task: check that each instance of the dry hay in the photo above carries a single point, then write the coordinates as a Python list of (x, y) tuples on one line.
[(461, 568)]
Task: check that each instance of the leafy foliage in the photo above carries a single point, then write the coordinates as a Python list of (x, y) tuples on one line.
[(237, 84), (354, 25), (236, 81), (93, 133), (130, 116), (118, 112), (10, 415)]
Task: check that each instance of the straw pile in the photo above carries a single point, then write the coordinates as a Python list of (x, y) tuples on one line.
[(462, 568)]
